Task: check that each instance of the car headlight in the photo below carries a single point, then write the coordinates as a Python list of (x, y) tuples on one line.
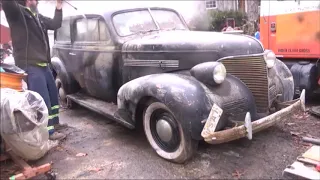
[(219, 73), (270, 58)]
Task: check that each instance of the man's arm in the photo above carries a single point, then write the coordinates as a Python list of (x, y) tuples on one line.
[(11, 9), (55, 23)]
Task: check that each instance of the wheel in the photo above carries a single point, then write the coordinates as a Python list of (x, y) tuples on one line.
[(61, 91), (62, 94), (166, 135)]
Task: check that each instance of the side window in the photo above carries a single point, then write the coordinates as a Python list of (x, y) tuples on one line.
[(63, 33), (91, 30), (81, 29)]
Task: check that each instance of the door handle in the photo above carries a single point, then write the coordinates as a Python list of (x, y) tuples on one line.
[(72, 54), (273, 27)]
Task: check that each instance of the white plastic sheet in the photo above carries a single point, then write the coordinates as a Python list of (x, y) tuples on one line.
[(23, 124)]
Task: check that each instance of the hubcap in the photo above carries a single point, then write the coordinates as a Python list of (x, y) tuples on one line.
[(164, 130)]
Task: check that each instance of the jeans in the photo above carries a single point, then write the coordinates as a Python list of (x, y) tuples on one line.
[(40, 80)]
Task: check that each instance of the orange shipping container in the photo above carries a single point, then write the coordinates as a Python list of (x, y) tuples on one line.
[(291, 29)]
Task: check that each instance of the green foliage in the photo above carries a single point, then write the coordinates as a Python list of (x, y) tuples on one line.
[(218, 18)]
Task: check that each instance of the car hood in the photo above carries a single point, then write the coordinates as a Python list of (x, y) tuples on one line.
[(216, 44)]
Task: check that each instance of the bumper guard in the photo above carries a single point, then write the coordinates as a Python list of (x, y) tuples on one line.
[(217, 137)]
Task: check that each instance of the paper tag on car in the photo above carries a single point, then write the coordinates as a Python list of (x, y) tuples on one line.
[(212, 121)]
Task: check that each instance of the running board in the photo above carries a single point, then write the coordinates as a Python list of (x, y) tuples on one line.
[(101, 107)]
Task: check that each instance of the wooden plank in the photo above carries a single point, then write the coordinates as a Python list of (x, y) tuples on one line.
[(18, 160), (313, 153), (298, 170), (308, 161), (30, 173)]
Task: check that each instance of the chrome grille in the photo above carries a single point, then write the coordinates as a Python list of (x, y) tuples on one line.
[(234, 108), (253, 72)]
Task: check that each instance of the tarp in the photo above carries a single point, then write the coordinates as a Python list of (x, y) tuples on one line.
[(23, 123)]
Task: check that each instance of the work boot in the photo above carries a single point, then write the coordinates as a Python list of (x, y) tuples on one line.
[(60, 126), (57, 136)]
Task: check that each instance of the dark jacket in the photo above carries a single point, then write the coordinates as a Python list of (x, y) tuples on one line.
[(38, 46)]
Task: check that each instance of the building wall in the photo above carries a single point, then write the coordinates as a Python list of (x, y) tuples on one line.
[(226, 5), (252, 7)]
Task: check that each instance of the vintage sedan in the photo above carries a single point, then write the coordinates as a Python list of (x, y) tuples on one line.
[(143, 66)]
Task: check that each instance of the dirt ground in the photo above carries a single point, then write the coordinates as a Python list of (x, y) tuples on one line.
[(114, 152)]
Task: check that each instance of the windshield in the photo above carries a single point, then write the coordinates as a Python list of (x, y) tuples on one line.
[(129, 23), (167, 20)]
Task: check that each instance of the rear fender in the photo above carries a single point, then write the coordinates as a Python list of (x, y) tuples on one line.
[(69, 84)]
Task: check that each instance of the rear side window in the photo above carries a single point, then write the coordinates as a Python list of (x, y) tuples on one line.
[(91, 30), (63, 33)]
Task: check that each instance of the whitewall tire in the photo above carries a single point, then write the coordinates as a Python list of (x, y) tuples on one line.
[(166, 135)]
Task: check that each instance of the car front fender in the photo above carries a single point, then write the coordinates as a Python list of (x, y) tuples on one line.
[(190, 100), (280, 83), (182, 94)]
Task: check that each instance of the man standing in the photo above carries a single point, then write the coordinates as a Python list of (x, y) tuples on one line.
[(32, 52)]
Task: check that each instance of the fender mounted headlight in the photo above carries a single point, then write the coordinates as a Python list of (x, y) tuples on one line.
[(212, 73), (270, 58), (219, 73)]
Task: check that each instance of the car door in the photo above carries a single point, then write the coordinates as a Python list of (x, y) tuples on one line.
[(62, 44), (78, 26), (93, 49)]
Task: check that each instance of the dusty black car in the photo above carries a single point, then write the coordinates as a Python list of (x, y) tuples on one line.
[(145, 66)]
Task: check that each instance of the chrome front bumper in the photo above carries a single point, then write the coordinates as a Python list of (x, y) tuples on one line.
[(216, 137)]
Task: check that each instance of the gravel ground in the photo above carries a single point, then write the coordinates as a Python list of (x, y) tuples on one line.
[(114, 152)]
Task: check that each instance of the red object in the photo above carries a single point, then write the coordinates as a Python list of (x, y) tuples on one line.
[(4, 34), (318, 167), (4, 28), (319, 81)]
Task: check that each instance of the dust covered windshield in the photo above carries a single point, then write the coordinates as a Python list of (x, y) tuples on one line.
[(168, 20), (133, 22)]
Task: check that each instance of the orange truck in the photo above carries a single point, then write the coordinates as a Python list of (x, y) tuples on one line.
[(291, 28)]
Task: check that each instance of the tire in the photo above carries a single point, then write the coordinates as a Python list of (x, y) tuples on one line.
[(62, 95), (178, 147)]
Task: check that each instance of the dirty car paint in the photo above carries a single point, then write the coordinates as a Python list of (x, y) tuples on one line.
[(156, 65)]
